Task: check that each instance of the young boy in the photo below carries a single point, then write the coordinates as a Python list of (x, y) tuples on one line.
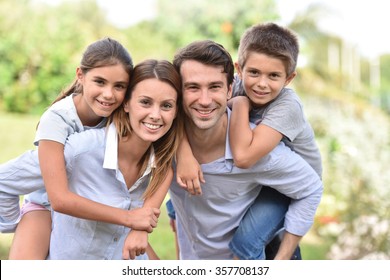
[(267, 59)]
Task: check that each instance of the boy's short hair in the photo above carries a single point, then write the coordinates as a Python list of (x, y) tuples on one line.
[(272, 40)]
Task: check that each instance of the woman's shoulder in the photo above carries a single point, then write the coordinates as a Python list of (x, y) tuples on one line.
[(84, 141)]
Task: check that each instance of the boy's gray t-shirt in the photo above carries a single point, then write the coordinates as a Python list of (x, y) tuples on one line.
[(285, 114)]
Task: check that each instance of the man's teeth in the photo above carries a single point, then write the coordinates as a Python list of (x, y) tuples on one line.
[(205, 112)]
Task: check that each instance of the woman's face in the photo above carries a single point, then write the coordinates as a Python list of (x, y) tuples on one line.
[(152, 109)]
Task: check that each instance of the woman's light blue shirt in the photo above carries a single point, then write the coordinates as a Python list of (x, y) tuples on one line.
[(92, 166)]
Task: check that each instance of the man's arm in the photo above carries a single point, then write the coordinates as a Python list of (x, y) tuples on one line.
[(287, 247)]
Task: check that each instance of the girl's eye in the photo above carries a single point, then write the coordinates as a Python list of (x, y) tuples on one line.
[(99, 82), (120, 87)]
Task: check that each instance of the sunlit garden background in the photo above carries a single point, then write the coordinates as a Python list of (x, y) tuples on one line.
[(346, 97)]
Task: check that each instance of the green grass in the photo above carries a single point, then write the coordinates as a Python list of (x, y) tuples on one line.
[(17, 136)]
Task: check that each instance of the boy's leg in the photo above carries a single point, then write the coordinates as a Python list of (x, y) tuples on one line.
[(172, 223), (32, 236), (262, 221)]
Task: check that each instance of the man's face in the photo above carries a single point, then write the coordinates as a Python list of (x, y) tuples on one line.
[(205, 93)]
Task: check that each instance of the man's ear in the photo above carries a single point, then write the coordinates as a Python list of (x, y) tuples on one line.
[(290, 78), (230, 91)]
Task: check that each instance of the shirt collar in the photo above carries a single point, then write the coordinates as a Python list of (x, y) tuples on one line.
[(111, 152), (228, 151)]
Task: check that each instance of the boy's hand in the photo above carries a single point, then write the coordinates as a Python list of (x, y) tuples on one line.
[(241, 101), (189, 176), (192, 184)]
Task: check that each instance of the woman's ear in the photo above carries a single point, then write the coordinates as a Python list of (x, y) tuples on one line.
[(79, 75), (126, 106)]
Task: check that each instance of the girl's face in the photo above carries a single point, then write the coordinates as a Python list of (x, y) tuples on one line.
[(104, 89), (152, 109), (263, 78)]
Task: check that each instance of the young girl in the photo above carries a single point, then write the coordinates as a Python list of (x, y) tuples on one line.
[(99, 88), (122, 165)]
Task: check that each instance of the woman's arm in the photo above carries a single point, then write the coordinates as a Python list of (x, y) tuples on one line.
[(249, 146), (52, 164), (136, 242)]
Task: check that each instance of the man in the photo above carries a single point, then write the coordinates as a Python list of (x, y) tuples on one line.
[(206, 223)]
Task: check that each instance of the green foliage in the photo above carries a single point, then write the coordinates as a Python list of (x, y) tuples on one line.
[(41, 45), (219, 20)]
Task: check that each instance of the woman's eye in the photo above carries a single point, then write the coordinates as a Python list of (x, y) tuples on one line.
[(167, 106)]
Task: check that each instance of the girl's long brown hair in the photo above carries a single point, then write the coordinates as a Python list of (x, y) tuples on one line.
[(104, 52)]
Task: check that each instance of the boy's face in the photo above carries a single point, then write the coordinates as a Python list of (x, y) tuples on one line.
[(205, 93), (263, 78)]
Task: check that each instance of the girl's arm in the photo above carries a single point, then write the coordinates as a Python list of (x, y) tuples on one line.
[(136, 242), (249, 146), (52, 164), (189, 174)]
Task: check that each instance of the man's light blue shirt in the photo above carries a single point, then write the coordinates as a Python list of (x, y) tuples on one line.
[(206, 223)]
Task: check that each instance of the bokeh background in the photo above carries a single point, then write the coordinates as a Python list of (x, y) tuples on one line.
[(343, 80)]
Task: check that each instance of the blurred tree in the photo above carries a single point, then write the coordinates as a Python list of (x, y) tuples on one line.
[(219, 20), (40, 48)]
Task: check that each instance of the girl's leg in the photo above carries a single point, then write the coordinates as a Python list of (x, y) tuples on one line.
[(261, 222), (32, 236)]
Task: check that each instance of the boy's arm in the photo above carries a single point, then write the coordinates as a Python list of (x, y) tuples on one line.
[(249, 146), (52, 164), (189, 175)]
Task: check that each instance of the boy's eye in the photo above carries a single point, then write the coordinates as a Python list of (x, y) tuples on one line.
[(253, 72), (274, 75)]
